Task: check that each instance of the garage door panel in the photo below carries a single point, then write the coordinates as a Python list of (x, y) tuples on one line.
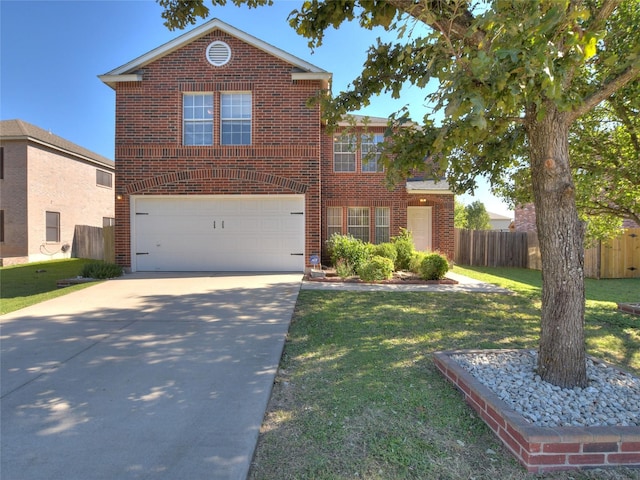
[(219, 233)]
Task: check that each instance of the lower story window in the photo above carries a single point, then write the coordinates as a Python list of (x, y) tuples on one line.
[(334, 221), (358, 222), (53, 226), (382, 224)]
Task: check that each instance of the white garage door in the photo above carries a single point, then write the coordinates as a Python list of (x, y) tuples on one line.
[(246, 233)]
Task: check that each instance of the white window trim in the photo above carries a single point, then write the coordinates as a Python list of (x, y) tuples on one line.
[(367, 226), (236, 119), (198, 120), (352, 142)]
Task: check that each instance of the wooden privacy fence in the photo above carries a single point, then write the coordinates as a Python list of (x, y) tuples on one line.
[(94, 242), (616, 258), (490, 248)]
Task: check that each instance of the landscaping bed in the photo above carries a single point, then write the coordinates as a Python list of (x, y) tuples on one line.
[(562, 443), (399, 278)]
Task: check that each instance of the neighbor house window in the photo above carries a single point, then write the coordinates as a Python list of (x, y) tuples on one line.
[(53, 226), (1, 225), (104, 179), (235, 118), (344, 153), (197, 119), (370, 152), (382, 224), (358, 222), (334, 220), (108, 221)]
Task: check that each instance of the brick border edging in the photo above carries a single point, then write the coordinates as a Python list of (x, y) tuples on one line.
[(542, 449), (632, 308)]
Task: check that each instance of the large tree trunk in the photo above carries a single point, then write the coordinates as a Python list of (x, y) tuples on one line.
[(561, 356)]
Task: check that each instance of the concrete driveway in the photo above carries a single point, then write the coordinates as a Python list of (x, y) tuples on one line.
[(162, 376)]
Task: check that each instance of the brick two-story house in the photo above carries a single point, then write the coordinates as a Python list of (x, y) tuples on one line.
[(222, 165), (48, 187)]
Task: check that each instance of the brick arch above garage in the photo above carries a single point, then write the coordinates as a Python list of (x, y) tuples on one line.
[(214, 174)]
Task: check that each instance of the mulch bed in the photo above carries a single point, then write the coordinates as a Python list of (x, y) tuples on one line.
[(399, 278)]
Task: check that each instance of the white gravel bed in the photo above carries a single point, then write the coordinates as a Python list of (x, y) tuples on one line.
[(612, 397)]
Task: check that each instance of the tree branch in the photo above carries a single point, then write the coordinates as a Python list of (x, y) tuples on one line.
[(603, 14), (608, 89), (442, 16)]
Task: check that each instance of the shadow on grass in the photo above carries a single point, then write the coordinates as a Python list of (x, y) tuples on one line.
[(360, 391)]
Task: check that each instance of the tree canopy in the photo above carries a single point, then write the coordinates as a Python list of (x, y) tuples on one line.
[(477, 216), (515, 79)]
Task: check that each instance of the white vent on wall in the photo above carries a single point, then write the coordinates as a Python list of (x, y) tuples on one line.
[(218, 53)]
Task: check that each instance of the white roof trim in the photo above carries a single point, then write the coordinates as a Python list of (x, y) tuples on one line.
[(111, 80), (426, 187), (205, 28)]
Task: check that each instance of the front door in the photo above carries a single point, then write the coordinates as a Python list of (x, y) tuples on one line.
[(419, 224)]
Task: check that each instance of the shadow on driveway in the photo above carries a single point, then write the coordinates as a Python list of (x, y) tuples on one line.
[(148, 376)]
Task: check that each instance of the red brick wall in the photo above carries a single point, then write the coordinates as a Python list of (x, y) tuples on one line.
[(150, 157), (363, 189), (289, 153), (525, 218)]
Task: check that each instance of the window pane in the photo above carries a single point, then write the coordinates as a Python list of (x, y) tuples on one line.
[(53, 226), (334, 220), (344, 156), (382, 224), (235, 118), (197, 111), (358, 223), (370, 157), (103, 178)]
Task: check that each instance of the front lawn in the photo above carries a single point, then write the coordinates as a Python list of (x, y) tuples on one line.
[(28, 284), (358, 397)]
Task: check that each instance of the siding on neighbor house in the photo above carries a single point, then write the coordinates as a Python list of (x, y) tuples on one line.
[(45, 173)]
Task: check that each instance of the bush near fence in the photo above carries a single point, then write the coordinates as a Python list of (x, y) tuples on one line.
[(615, 258)]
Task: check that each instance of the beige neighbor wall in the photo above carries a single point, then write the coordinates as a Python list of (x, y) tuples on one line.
[(13, 200), (64, 184)]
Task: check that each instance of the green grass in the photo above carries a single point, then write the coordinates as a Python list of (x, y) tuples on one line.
[(25, 285), (358, 397)]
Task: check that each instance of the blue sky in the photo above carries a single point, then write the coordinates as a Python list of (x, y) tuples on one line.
[(51, 53)]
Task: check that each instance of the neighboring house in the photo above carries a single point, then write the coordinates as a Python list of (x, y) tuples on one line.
[(48, 185), (499, 222), (525, 219), (222, 165)]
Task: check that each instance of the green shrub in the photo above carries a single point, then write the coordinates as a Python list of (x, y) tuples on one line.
[(416, 261), (101, 270), (348, 249), (343, 269), (386, 250), (376, 269), (404, 248), (433, 267)]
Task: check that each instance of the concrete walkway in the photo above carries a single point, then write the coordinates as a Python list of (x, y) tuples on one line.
[(465, 284), (156, 376)]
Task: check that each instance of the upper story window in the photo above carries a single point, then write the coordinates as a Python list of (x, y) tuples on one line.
[(197, 117), (104, 179), (344, 153), (370, 150), (235, 118)]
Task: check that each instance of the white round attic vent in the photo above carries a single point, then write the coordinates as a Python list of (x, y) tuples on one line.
[(218, 53)]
